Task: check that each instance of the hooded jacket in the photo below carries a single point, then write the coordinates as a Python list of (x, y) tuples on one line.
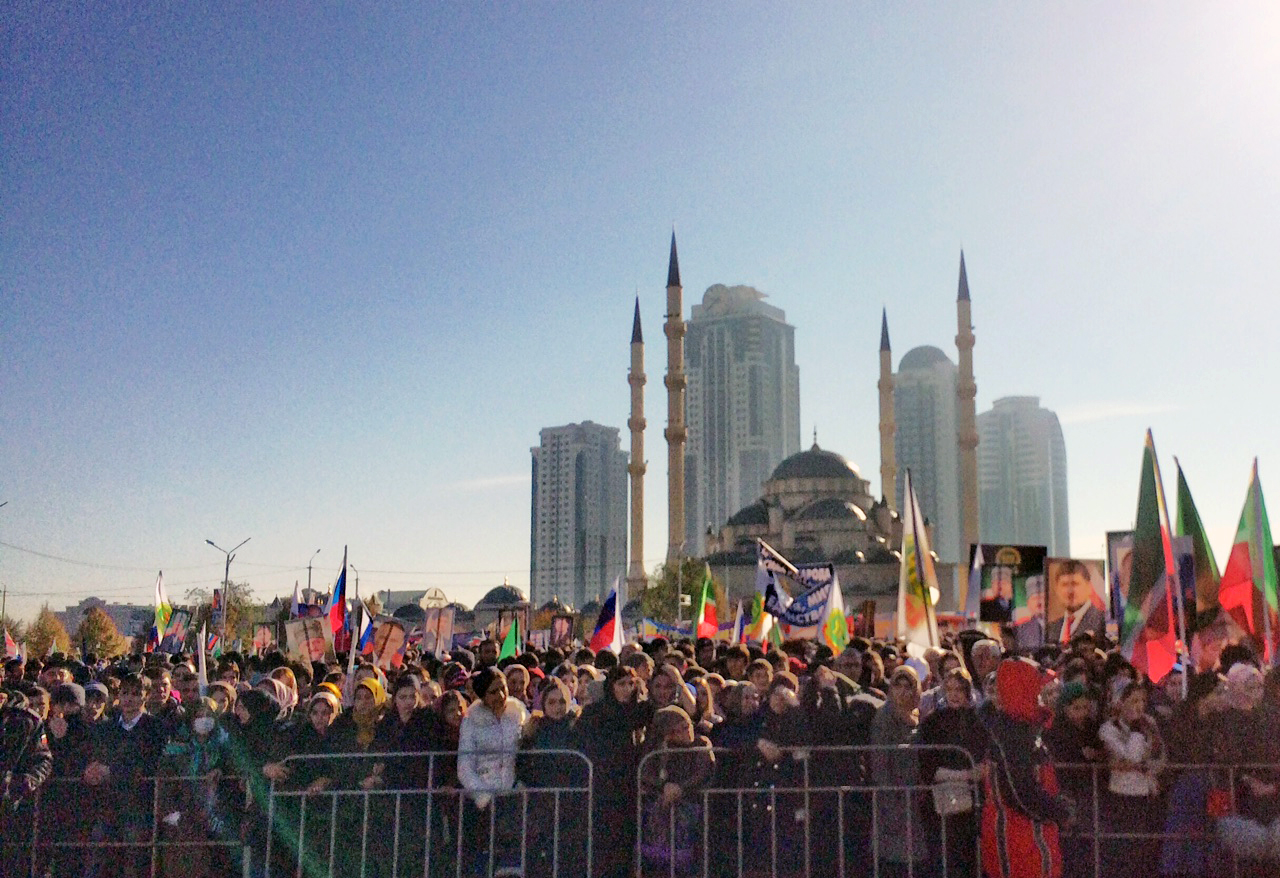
[(1023, 807)]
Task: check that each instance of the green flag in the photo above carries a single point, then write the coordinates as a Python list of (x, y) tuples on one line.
[(1148, 634), (1207, 576), (511, 641), (1249, 584)]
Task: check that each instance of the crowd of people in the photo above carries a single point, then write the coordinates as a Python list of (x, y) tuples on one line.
[(689, 757)]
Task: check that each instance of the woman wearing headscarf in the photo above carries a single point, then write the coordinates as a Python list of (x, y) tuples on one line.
[(1022, 808), (397, 784), (252, 745), (1241, 740), (1072, 741), (191, 809), (900, 843), (311, 776), (678, 764), (950, 818), (546, 762), (610, 733), (773, 815), (487, 746)]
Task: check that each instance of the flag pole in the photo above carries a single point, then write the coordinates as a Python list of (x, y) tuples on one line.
[(1259, 566)]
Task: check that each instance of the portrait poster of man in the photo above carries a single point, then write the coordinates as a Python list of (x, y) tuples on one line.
[(176, 634), (262, 639), (1004, 573), (561, 631), (1028, 611), (309, 640), (1077, 599), (390, 638), (437, 631), (1119, 568)]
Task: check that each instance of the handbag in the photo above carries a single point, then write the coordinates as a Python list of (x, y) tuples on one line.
[(952, 797)]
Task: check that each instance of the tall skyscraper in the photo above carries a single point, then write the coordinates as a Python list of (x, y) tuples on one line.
[(743, 404), (924, 413), (578, 538), (1022, 475)]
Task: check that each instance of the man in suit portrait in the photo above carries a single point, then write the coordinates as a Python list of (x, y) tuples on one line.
[(1073, 594)]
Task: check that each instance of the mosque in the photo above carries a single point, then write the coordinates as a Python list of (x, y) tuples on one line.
[(816, 506)]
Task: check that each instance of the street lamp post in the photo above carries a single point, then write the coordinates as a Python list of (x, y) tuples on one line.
[(313, 557), (226, 586)]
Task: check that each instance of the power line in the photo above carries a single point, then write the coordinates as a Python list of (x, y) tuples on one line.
[(94, 564)]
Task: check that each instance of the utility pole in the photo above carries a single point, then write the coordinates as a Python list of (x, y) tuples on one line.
[(226, 586), (313, 557)]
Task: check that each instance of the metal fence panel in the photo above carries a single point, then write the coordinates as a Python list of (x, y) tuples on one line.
[(813, 811), (330, 821)]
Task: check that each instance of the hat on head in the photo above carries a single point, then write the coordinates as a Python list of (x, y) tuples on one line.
[(68, 693), (99, 688)]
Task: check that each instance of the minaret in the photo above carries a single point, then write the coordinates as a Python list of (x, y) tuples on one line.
[(676, 383), (966, 418), (888, 462), (636, 580)]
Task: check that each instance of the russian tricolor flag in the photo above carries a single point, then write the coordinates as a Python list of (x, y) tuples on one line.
[(338, 605), (365, 646), (608, 633)]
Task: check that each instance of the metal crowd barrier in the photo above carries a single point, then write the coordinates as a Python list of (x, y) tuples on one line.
[(817, 811), (1196, 804), (152, 826), (328, 819)]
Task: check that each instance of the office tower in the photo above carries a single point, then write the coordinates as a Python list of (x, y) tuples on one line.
[(1022, 475), (578, 540), (924, 413), (743, 404)]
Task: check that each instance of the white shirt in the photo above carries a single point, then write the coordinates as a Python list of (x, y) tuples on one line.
[(1124, 744)]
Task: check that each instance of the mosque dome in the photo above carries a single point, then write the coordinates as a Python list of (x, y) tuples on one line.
[(816, 463), (555, 606), (922, 358), (756, 513), (503, 596)]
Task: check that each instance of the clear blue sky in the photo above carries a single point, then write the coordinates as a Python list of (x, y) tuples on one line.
[(317, 275)]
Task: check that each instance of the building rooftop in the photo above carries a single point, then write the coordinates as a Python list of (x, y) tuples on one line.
[(816, 463), (922, 358)]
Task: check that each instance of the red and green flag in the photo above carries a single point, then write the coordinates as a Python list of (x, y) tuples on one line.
[(1148, 633), (1207, 576), (1248, 589), (704, 620)]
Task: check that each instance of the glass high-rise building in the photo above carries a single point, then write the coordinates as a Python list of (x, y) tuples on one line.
[(578, 538), (742, 407), (924, 441), (1022, 475)]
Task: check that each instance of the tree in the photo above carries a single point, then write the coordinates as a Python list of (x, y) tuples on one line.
[(659, 600), (47, 634), (97, 633), (242, 612)]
